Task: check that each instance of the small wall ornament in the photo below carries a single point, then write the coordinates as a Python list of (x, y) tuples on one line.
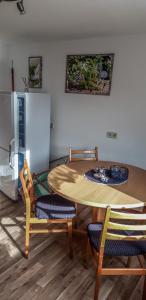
[(35, 71)]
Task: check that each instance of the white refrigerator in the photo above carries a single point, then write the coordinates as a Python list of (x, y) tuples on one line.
[(24, 133)]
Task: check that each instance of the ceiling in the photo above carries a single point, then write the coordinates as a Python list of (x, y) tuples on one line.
[(70, 19)]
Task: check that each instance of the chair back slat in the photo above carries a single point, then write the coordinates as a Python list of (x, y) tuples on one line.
[(80, 154), (128, 216), (81, 158), (128, 231), (111, 236), (85, 151), (117, 226)]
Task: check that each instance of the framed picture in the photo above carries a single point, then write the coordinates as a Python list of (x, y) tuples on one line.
[(35, 71), (89, 74)]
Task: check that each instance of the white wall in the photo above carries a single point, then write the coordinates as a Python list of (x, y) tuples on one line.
[(82, 120), (5, 67), (5, 121)]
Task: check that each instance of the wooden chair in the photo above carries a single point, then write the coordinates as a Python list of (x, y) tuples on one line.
[(79, 155), (116, 238), (49, 209)]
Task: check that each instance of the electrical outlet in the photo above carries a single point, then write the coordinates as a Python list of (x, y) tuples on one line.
[(111, 134)]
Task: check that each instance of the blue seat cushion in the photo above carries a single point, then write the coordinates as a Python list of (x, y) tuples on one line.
[(54, 207), (116, 247)]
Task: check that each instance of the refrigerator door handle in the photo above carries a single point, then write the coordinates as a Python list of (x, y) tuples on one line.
[(10, 153)]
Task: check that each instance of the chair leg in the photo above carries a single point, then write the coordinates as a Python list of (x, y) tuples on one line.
[(69, 224), (76, 225), (97, 286), (144, 289), (27, 239), (86, 254), (30, 227)]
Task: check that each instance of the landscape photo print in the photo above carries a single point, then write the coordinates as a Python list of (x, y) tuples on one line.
[(89, 74)]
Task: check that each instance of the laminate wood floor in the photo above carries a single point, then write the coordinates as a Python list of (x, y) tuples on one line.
[(49, 273)]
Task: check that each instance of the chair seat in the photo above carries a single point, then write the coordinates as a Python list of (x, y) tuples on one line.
[(54, 207), (116, 247)]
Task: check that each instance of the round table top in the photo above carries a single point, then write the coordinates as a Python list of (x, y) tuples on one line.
[(69, 181)]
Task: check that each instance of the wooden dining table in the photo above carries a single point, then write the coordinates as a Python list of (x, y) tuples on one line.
[(70, 182)]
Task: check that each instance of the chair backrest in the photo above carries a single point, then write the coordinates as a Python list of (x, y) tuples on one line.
[(112, 226), (82, 154), (27, 185)]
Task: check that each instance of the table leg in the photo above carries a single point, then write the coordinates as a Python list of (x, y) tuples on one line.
[(94, 214), (98, 215)]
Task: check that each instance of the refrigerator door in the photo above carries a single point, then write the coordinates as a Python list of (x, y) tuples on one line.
[(9, 144), (37, 133)]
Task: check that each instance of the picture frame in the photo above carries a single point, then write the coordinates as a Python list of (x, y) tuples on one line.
[(89, 74), (35, 71)]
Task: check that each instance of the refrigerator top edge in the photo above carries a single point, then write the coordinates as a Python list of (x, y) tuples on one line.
[(30, 93), (21, 93)]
